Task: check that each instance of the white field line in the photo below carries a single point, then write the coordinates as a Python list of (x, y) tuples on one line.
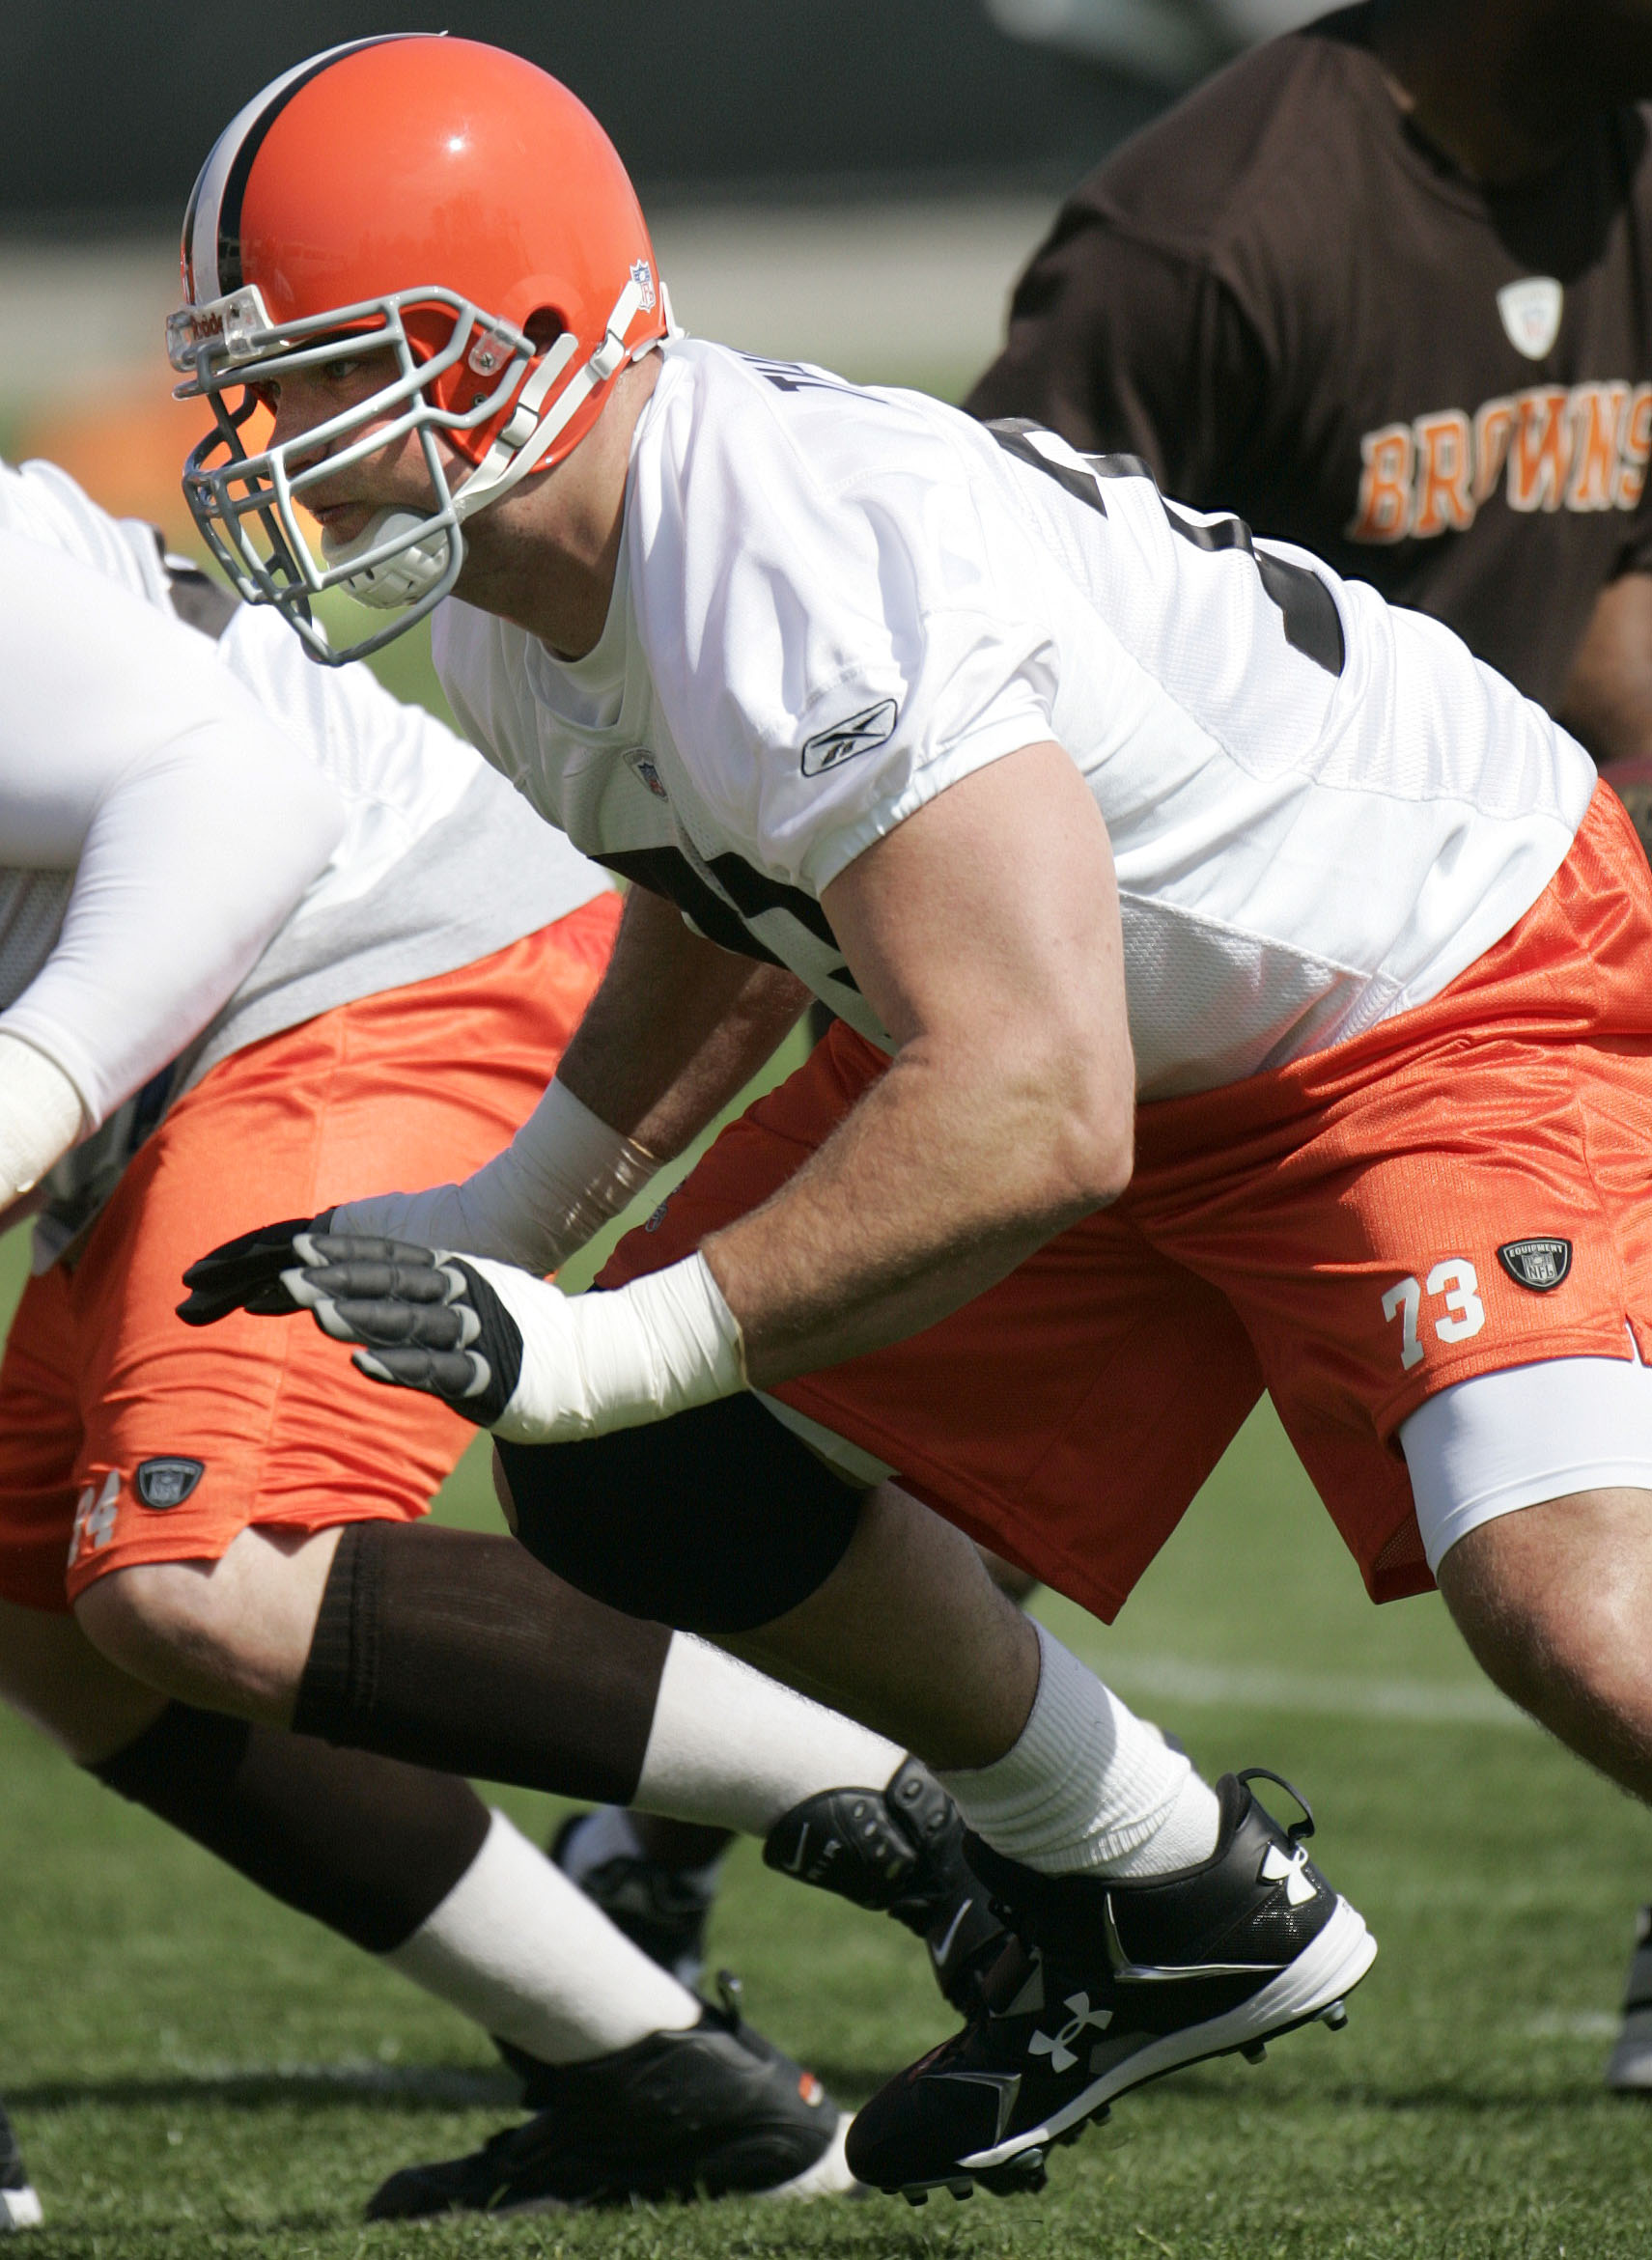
[(1573, 2024), (1262, 1688)]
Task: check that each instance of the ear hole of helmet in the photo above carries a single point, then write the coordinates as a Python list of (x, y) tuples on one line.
[(544, 327)]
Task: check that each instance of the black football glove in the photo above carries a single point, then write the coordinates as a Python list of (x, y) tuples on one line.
[(425, 1320), (245, 1274), (422, 1322)]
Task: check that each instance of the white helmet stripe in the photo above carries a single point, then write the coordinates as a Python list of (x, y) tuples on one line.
[(203, 219)]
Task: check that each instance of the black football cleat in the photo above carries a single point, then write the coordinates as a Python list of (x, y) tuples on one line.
[(20, 2207), (1629, 2068), (1106, 1984), (662, 1910), (899, 1849), (716, 2111)]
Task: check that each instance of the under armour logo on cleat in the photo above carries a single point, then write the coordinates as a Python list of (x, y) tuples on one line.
[(1060, 2050), (1290, 1871)]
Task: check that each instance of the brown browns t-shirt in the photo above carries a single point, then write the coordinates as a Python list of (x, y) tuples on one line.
[(1294, 308)]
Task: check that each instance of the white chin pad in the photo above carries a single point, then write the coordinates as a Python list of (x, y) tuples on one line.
[(396, 580)]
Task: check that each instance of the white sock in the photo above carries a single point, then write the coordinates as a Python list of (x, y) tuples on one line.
[(735, 1749), (521, 1950), (1089, 1787)]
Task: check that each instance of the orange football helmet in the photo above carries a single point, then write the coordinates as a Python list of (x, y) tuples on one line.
[(432, 196)]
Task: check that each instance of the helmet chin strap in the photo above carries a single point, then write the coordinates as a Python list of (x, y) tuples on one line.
[(419, 563)]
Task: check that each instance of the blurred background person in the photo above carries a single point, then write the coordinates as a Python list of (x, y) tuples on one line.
[(1381, 288)]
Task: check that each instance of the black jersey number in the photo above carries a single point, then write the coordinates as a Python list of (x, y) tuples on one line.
[(1313, 626), (669, 872), (793, 376)]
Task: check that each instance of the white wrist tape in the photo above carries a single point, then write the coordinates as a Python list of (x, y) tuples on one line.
[(41, 1116), (596, 1362), (559, 1181)]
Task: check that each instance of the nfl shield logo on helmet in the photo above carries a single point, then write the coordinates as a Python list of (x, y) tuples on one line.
[(642, 274), (166, 1483), (1539, 1264)]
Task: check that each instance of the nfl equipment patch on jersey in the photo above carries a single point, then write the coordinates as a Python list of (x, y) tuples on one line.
[(166, 1483), (1540, 1264)]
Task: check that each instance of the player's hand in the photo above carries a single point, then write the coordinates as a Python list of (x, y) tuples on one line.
[(245, 1274), (507, 1350), (423, 1319)]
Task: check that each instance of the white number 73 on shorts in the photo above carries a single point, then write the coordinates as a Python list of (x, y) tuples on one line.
[(1464, 1314)]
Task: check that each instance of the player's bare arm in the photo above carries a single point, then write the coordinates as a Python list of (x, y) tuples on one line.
[(676, 1030), (985, 932), (1608, 694), (678, 1027)]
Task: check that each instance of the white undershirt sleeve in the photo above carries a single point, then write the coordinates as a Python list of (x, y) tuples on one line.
[(130, 756), (559, 1181), (40, 1117)]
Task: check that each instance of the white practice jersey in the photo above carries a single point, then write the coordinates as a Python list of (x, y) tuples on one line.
[(205, 841), (835, 601)]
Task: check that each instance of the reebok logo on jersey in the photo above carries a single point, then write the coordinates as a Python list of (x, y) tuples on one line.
[(166, 1483), (829, 749), (1538, 1264)]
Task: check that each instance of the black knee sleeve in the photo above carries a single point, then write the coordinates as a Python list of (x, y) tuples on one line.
[(449, 1648), (717, 1521), (366, 1845)]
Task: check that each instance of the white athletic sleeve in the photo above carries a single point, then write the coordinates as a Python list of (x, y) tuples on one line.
[(836, 633), (130, 756)]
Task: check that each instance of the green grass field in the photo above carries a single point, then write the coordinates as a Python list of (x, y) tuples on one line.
[(195, 2072)]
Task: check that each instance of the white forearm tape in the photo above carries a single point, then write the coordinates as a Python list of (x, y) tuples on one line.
[(604, 1361), (41, 1116), (559, 1181)]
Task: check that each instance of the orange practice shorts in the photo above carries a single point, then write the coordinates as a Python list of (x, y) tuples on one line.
[(1328, 1232), (401, 1090)]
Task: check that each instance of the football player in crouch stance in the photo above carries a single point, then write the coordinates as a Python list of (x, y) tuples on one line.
[(265, 932), (1240, 985), (856, 684)]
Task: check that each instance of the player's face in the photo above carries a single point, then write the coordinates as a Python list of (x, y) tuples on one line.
[(394, 477)]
